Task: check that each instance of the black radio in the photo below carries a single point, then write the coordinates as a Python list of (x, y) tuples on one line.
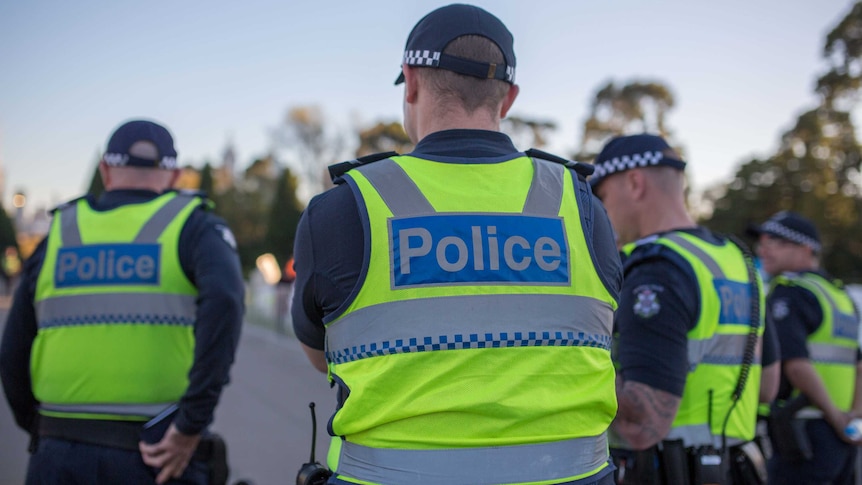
[(313, 473)]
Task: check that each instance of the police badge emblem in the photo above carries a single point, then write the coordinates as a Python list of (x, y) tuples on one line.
[(780, 309), (647, 304)]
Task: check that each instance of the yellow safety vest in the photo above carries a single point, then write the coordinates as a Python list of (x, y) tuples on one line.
[(716, 344), (115, 311), (480, 333), (833, 346)]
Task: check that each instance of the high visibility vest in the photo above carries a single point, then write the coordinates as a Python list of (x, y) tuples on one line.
[(476, 349), (115, 311), (716, 344), (833, 346)]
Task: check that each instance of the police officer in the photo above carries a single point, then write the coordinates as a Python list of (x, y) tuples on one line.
[(689, 326), (463, 293), (817, 325), (133, 302)]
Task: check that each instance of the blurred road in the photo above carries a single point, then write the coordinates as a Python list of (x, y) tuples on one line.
[(263, 413)]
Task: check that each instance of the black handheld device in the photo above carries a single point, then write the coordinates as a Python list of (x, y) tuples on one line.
[(313, 473), (154, 429)]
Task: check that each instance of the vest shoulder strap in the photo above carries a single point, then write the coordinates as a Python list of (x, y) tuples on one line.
[(339, 169), (583, 170), (67, 204)]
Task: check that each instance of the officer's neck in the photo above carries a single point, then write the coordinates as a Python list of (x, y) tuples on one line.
[(662, 217), (434, 124), (434, 118)]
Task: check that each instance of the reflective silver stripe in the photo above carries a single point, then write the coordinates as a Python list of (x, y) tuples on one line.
[(474, 466), (546, 190), (118, 409), (720, 349), (706, 259), (159, 221), (141, 308), (469, 322), (831, 354), (809, 413), (699, 435), (823, 292), (396, 188), (69, 232)]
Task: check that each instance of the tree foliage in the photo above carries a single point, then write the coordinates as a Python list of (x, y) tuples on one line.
[(383, 137), (207, 182), (8, 235), (843, 54), (816, 170), (284, 215), (310, 146), (246, 207), (527, 133), (635, 107)]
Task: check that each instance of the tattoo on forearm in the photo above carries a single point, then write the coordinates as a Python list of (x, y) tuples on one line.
[(644, 409)]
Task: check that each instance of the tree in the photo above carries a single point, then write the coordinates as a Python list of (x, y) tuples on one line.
[(304, 134), (811, 174), (8, 235), (206, 181), (526, 132), (636, 107), (188, 179), (383, 137), (843, 53), (816, 170), (246, 206), (283, 218)]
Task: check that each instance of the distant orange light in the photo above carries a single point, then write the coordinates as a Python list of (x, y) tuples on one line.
[(18, 200)]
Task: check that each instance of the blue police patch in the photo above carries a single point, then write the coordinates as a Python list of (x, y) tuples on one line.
[(107, 264), (844, 325), (452, 249), (735, 300)]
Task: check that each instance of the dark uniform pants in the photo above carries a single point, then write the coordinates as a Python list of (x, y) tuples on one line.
[(61, 462), (832, 463)]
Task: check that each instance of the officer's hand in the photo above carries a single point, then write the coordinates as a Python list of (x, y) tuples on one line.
[(839, 421), (171, 455)]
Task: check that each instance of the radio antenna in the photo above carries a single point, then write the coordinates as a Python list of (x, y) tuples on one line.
[(313, 430)]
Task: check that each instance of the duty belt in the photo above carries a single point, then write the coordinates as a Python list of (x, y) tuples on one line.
[(124, 435)]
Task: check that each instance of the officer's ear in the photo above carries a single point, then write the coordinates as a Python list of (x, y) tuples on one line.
[(175, 175), (509, 100), (635, 181), (411, 83), (105, 173)]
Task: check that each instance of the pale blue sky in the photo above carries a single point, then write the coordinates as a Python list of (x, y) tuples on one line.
[(215, 71)]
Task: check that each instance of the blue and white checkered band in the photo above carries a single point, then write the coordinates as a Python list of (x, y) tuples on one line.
[(510, 74), (428, 58), (421, 58), (784, 232), (122, 159), (116, 159), (627, 162)]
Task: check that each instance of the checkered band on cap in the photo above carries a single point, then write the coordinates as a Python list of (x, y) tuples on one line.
[(421, 58), (784, 232), (627, 162), (122, 160), (428, 58)]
